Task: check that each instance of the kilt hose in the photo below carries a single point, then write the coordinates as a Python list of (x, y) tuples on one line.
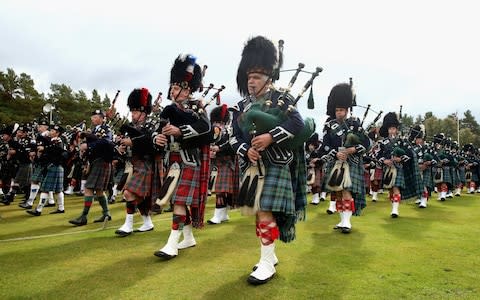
[(140, 183), (53, 180), (99, 175)]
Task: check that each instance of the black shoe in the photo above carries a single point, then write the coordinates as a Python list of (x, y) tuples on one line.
[(7, 199), (163, 255), (255, 281), (122, 233), (394, 216), (25, 205), (34, 212), (57, 212), (102, 218), (338, 227), (322, 199), (346, 230), (329, 212), (50, 205), (80, 221)]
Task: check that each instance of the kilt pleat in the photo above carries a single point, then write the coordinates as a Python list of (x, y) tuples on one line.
[(99, 175), (225, 174), (140, 183), (53, 180)]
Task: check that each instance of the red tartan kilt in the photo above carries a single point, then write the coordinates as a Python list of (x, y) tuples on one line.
[(318, 177), (140, 182), (187, 191), (366, 176), (378, 174), (225, 176)]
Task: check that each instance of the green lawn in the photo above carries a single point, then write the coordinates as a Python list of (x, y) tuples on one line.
[(424, 254)]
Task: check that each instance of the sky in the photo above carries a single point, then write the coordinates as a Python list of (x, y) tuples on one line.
[(421, 55)]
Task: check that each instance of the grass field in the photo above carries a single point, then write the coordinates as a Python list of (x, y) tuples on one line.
[(428, 253)]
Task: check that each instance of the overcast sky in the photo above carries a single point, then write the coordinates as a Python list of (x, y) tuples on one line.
[(422, 55)]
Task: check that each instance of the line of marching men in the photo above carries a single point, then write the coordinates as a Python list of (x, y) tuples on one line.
[(166, 158)]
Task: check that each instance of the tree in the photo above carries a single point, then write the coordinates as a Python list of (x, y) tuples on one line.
[(10, 84)]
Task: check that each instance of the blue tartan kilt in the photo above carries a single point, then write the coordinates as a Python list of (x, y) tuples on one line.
[(53, 180), (400, 179), (277, 193), (447, 175), (99, 175), (427, 178), (225, 175), (460, 178), (37, 173), (140, 182), (23, 175)]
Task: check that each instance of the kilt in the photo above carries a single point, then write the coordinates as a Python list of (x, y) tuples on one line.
[(447, 175), (157, 176), (118, 174), (53, 180), (187, 191), (400, 179), (37, 173), (377, 174), (225, 175), (427, 178), (460, 178), (412, 179), (318, 177), (366, 178), (140, 183), (99, 175), (23, 175)]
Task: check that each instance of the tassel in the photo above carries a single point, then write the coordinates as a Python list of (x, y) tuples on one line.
[(310, 103)]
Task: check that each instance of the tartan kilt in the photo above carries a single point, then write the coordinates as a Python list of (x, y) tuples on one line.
[(377, 174), (140, 182), (356, 176), (37, 173), (447, 175), (366, 178), (277, 194), (53, 180), (412, 179), (118, 174), (318, 177), (225, 174), (427, 178), (24, 175), (187, 191), (99, 175), (157, 176), (460, 178)]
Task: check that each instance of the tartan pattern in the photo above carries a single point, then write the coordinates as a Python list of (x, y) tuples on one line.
[(186, 191), (53, 180), (447, 175), (23, 175), (412, 179), (37, 173), (140, 182), (277, 193), (226, 168), (318, 177), (99, 175), (117, 174), (427, 178), (157, 176), (460, 175), (378, 174)]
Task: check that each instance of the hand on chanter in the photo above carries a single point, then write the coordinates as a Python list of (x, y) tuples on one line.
[(253, 155), (261, 142)]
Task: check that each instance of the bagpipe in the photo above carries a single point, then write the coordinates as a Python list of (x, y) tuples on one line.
[(264, 116)]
